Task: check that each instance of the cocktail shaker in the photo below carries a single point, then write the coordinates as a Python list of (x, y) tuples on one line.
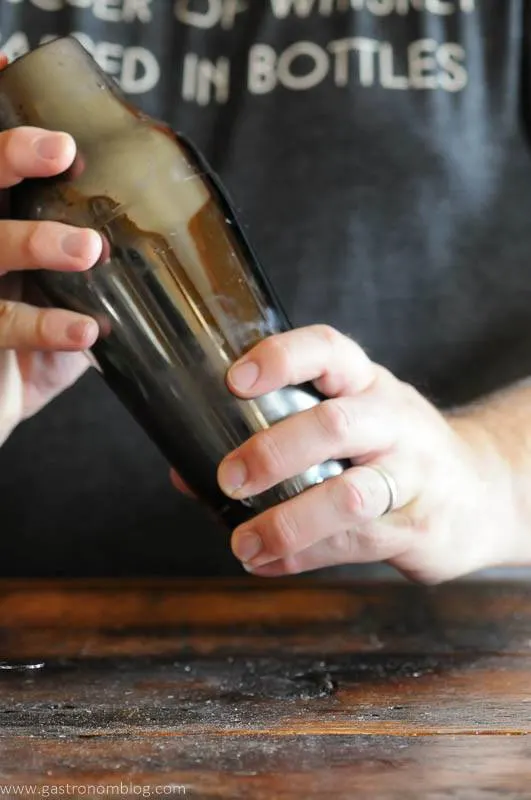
[(179, 294)]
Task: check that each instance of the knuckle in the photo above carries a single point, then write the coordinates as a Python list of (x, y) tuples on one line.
[(7, 310), (11, 155), (334, 419), (278, 352), (340, 546), (329, 334), (348, 497), (283, 533), (7, 315), (41, 327), (266, 455), (10, 145), (34, 242)]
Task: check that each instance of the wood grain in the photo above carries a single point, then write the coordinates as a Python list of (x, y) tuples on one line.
[(263, 690)]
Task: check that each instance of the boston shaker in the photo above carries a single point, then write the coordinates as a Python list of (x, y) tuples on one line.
[(179, 294)]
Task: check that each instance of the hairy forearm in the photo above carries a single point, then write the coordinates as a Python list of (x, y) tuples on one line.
[(499, 428)]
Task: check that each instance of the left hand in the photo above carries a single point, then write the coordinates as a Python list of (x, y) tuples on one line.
[(451, 515)]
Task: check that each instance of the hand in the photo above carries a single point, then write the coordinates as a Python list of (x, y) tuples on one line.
[(452, 497), (41, 350)]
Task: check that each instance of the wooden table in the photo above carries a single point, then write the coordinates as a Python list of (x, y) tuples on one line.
[(266, 690)]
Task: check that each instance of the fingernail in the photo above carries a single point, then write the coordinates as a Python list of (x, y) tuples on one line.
[(51, 146), (232, 475), (74, 244), (247, 546), (244, 375), (82, 331)]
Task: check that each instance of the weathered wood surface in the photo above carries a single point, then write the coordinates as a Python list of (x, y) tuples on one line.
[(248, 689)]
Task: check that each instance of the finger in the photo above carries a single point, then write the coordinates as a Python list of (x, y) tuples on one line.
[(319, 353), (47, 245), (347, 427), (23, 327), (375, 543), (352, 500), (179, 484), (27, 152)]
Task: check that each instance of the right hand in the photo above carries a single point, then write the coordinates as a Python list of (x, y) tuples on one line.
[(41, 350)]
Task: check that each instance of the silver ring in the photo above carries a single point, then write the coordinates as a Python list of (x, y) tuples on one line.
[(391, 485)]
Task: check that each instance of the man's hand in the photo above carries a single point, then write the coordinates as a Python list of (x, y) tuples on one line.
[(454, 511), (41, 350)]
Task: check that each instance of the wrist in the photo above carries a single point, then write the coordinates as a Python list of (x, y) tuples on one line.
[(504, 510)]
